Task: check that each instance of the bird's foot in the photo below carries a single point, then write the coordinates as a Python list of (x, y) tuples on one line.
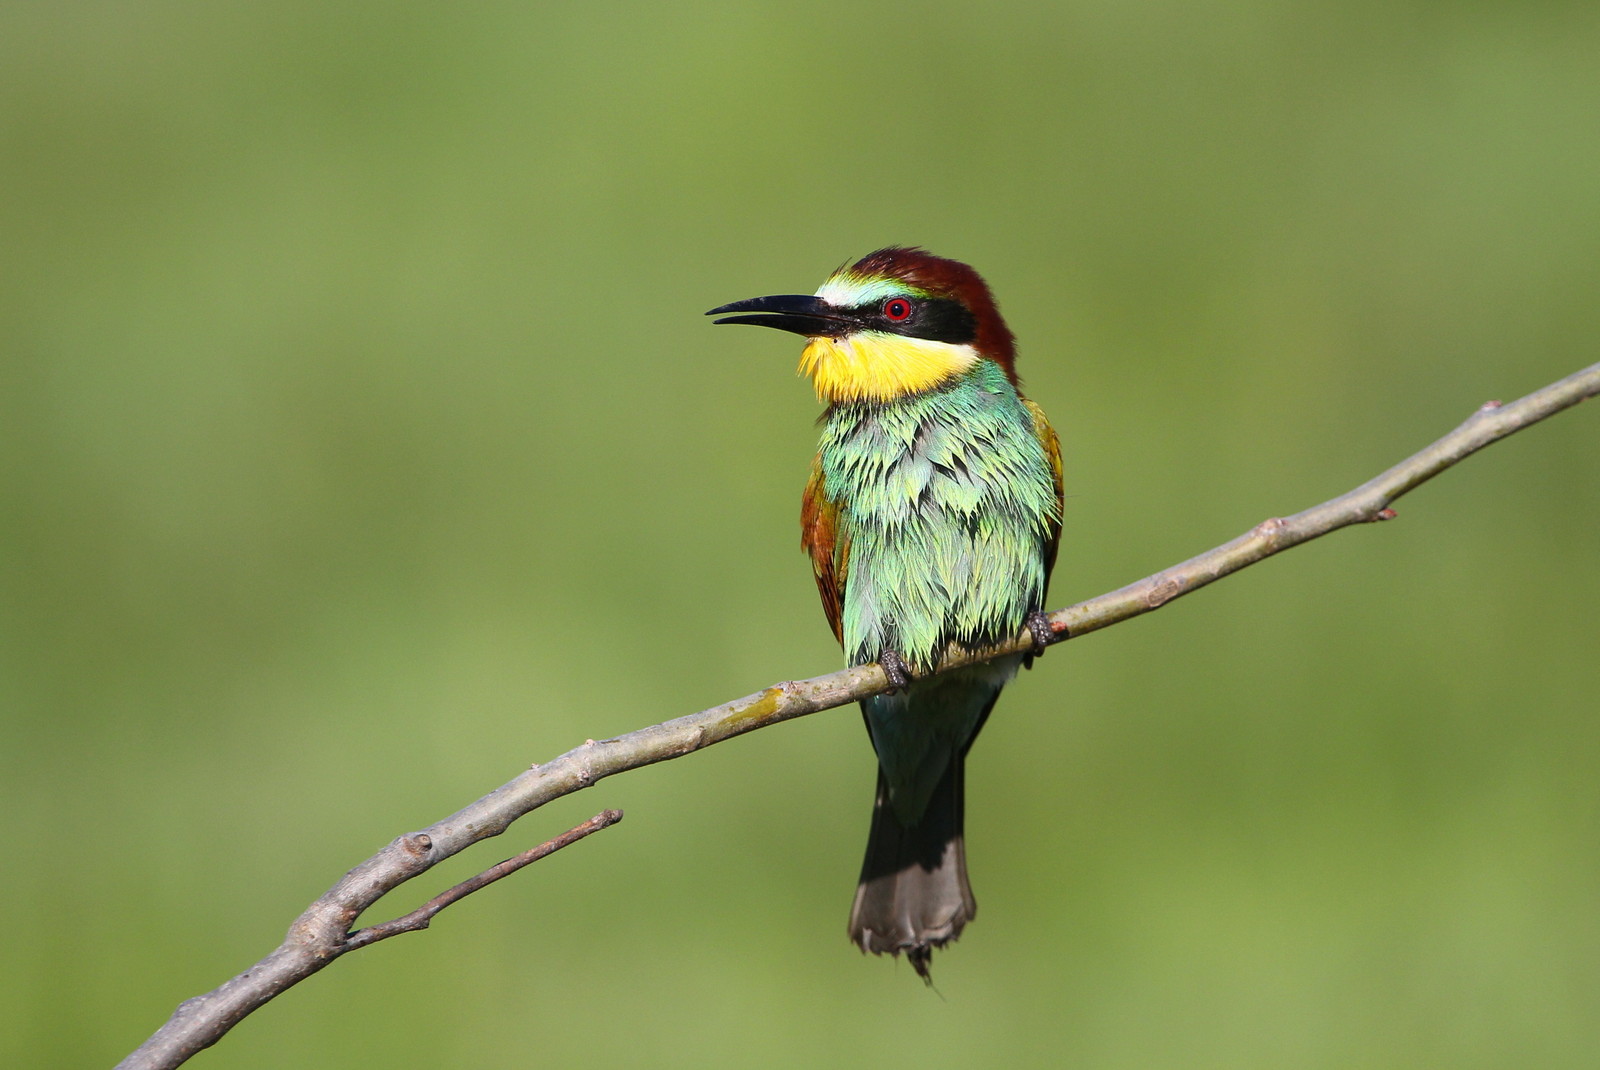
[(895, 668), (1043, 634)]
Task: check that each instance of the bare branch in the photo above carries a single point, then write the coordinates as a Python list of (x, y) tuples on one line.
[(312, 942), (1367, 503), (420, 918), (321, 934)]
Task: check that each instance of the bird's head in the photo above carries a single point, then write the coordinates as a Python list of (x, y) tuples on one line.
[(898, 321)]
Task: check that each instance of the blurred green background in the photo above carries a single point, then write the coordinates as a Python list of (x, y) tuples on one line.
[(363, 442)]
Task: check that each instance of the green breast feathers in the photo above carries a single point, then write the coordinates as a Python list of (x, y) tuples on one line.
[(948, 505)]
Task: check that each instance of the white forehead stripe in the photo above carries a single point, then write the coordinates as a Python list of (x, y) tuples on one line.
[(848, 291)]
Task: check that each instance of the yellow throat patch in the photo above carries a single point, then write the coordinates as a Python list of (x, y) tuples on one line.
[(878, 366)]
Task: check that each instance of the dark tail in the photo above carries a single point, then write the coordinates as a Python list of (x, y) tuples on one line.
[(914, 895)]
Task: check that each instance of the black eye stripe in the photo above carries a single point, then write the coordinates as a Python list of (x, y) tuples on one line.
[(936, 319)]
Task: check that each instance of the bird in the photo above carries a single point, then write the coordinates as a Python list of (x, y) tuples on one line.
[(931, 516)]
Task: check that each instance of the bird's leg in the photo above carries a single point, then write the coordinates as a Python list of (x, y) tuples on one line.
[(1039, 627), (895, 668)]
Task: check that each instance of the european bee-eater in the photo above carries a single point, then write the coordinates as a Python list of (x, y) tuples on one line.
[(932, 516)]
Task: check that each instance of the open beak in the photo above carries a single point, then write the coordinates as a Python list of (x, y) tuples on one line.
[(800, 313)]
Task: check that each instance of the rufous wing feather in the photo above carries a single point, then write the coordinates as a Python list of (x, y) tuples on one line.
[(1052, 450), (829, 548)]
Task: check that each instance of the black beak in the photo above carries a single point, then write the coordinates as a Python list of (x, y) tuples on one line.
[(800, 313)]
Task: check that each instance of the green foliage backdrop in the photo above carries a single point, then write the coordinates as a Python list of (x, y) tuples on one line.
[(361, 441)]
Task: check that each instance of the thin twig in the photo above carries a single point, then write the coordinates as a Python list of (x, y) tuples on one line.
[(420, 918), (320, 935)]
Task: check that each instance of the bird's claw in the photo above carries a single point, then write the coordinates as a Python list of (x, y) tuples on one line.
[(896, 669), (1043, 634)]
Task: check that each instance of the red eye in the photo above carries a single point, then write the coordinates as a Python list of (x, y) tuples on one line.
[(897, 308)]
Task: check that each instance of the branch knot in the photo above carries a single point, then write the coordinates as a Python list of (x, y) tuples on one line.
[(1165, 590)]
